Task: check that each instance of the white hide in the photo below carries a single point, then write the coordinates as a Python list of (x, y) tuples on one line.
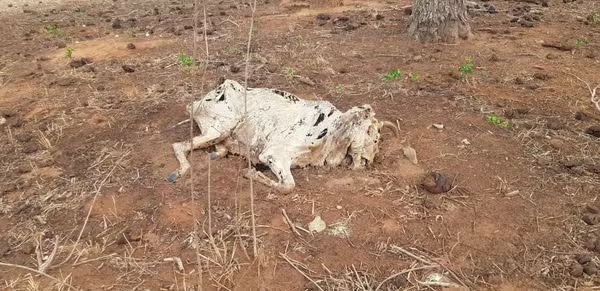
[(281, 130)]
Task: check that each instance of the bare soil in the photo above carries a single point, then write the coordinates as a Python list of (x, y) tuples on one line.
[(89, 120)]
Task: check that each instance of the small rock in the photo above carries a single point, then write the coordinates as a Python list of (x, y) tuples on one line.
[(594, 209), (379, 17), (542, 76), (338, 207), (519, 81), (131, 46), (29, 149), (438, 125), (2, 120), (593, 130), (501, 104), (581, 116), (552, 56), (272, 68), (571, 163), (22, 169), (317, 225), (583, 258), (23, 137), (556, 144), (80, 62), (61, 45), (554, 124), (128, 68), (494, 58), (234, 69), (590, 219), (10, 5), (590, 244), (576, 270), (590, 268), (417, 58), (117, 24), (410, 154), (436, 183), (323, 16)]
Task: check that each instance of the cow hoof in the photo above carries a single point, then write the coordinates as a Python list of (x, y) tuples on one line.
[(172, 177)]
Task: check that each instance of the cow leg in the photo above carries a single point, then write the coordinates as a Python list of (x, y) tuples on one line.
[(220, 151), (281, 167), (182, 149)]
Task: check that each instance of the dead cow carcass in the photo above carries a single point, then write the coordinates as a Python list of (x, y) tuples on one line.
[(281, 130)]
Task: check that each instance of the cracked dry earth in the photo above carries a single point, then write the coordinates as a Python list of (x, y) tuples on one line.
[(91, 94)]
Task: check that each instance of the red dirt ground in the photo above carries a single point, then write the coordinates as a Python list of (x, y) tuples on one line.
[(520, 217)]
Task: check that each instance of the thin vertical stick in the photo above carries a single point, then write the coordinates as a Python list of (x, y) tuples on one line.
[(255, 249), (195, 57)]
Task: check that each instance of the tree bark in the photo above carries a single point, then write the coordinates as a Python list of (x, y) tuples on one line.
[(439, 21)]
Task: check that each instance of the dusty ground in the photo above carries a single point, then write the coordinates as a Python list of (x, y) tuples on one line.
[(520, 216)]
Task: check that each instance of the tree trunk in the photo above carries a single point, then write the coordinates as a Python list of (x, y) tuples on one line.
[(439, 20)]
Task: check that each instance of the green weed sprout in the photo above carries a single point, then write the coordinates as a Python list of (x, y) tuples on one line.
[(581, 41), (493, 118), (291, 71), (185, 60), (69, 52), (414, 76), (394, 74), (466, 69)]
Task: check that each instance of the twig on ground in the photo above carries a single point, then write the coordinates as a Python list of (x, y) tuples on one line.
[(593, 98), (418, 258), (42, 267), (289, 222), (94, 259), (181, 122), (37, 272), (405, 272), (300, 271)]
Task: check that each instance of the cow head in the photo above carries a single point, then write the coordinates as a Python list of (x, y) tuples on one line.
[(367, 135)]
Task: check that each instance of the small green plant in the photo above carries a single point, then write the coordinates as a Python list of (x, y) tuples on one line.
[(185, 60), (466, 69), (69, 52), (52, 29), (394, 74), (291, 71), (581, 41), (414, 76), (339, 86), (493, 118)]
